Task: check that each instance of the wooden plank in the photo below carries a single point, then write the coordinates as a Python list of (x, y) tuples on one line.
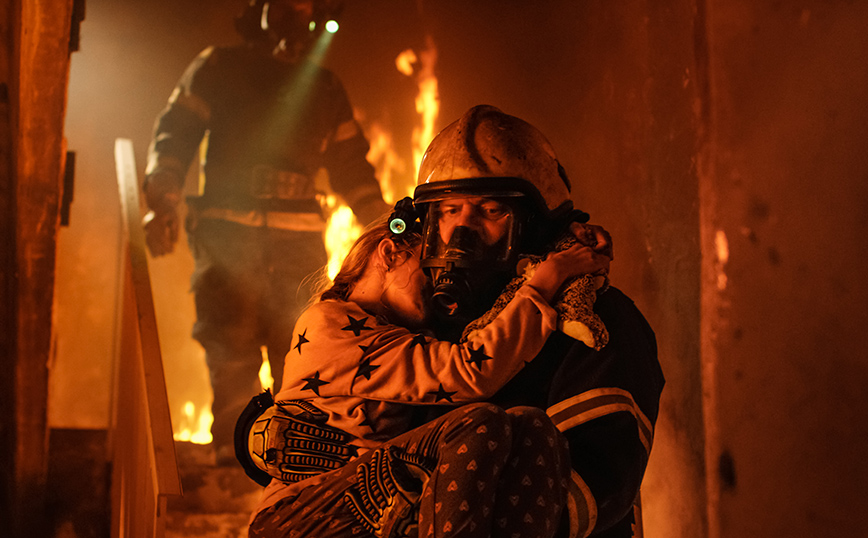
[(9, 22), (158, 417), (34, 72), (146, 469), (128, 411)]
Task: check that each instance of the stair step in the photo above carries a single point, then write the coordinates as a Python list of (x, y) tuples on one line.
[(217, 500)]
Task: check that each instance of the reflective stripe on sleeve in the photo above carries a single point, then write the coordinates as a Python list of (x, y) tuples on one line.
[(192, 102), (581, 507), (596, 403)]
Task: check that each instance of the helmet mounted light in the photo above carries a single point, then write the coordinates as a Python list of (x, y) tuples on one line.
[(301, 21)]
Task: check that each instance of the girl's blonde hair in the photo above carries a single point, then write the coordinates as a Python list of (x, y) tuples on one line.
[(356, 262)]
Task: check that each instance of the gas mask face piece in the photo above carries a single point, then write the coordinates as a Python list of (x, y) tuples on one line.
[(468, 242), (287, 18)]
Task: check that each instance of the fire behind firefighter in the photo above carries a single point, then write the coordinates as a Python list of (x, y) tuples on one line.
[(268, 119), (605, 402)]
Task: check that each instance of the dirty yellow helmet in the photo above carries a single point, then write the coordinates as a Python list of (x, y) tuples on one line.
[(489, 153)]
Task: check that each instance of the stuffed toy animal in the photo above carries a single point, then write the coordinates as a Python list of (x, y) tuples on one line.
[(574, 303)]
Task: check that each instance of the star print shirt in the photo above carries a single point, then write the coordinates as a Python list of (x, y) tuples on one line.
[(363, 371)]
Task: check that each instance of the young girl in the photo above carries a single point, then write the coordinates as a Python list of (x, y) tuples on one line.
[(362, 359)]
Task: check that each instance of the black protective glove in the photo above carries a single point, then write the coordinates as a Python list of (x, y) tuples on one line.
[(386, 493), (288, 440)]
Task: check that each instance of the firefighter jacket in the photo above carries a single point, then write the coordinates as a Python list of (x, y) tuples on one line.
[(268, 128), (605, 402)]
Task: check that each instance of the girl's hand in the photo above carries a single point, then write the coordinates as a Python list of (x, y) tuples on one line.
[(558, 267), (594, 236)]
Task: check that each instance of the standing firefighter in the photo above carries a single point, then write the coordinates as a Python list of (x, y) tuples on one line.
[(266, 120)]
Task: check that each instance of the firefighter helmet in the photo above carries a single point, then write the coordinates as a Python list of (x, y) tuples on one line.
[(489, 153), (299, 22), (486, 155)]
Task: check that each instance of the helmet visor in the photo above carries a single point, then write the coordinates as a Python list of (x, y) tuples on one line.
[(469, 232)]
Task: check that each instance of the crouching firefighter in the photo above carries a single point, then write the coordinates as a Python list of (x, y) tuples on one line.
[(337, 448), (493, 193)]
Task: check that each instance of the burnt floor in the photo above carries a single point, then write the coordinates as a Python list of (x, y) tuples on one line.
[(217, 501)]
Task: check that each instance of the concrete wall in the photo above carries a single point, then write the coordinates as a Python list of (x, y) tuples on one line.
[(632, 132), (784, 317), (687, 126), (35, 45)]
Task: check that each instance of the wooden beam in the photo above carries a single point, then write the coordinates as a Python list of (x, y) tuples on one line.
[(35, 69), (9, 17), (145, 469)]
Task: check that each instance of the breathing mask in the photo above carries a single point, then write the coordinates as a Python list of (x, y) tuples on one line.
[(469, 245)]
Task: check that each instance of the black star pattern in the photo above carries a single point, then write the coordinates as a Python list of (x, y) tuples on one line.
[(364, 349), (365, 368), (357, 325), (366, 422), (443, 394), (419, 340), (301, 340), (477, 356), (314, 383)]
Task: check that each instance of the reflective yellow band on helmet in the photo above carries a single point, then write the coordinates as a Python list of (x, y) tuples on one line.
[(596, 403)]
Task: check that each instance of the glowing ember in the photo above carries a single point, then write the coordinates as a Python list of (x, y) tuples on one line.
[(722, 246), (404, 62)]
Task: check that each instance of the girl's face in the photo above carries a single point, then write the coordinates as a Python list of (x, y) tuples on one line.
[(407, 291)]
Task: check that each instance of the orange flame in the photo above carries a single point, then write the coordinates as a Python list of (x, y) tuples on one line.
[(421, 67), (342, 229), (341, 232), (388, 164), (194, 427), (265, 379)]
